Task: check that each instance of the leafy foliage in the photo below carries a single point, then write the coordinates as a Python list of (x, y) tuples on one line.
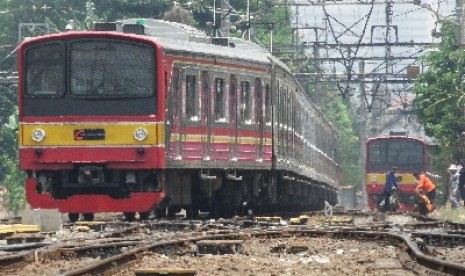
[(13, 177), (9, 171), (440, 97), (272, 18)]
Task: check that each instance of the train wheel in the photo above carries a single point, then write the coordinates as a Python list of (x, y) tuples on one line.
[(144, 215), (73, 217), (130, 216), (88, 216), (160, 213), (192, 213), (172, 212)]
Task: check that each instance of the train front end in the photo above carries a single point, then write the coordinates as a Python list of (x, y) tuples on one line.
[(408, 154), (91, 113)]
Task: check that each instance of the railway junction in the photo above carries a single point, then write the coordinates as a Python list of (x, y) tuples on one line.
[(345, 243), (212, 123)]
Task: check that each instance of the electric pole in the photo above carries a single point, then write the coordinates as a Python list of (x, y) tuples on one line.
[(225, 18), (461, 22)]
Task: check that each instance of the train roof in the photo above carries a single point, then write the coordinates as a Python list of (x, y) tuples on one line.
[(180, 37), (392, 137), (184, 38)]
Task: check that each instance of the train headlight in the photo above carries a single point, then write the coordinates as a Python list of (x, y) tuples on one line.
[(38, 135), (140, 134)]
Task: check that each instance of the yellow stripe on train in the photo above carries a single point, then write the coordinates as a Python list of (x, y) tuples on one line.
[(218, 139), (109, 134), (376, 178)]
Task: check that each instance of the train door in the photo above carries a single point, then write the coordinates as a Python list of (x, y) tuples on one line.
[(191, 109), (174, 100), (259, 117), (205, 115), (233, 117), (286, 124), (247, 141), (279, 119), (219, 132), (292, 125)]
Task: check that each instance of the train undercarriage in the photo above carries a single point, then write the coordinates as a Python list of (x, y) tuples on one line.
[(229, 193), (220, 193)]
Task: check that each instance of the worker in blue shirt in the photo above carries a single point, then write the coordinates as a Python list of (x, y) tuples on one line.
[(391, 183)]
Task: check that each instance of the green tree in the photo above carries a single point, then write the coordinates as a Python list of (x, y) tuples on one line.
[(13, 178), (439, 102), (272, 22)]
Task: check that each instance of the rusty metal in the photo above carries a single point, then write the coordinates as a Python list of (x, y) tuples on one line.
[(438, 239), (130, 255), (111, 249), (98, 249), (7, 260), (412, 249)]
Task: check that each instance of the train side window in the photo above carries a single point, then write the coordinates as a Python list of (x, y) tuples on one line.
[(192, 98), (220, 103), (173, 98), (245, 102), (205, 104), (287, 103), (281, 107), (267, 104), (278, 104), (258, 107)]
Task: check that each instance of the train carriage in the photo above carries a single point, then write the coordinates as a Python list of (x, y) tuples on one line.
[(408, 154), (149, 114)]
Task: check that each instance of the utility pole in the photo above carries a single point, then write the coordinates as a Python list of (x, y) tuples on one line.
[(363, 117), (389, 13), (248, 20), (461, 22), (225, 18), (90, 15)]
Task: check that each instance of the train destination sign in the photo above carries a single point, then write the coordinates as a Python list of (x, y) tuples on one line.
[(89, 134)]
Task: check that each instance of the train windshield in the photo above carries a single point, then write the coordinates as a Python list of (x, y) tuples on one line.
[(45, 76), (98, 69), (407, 155), (89, 76), (102, 69)]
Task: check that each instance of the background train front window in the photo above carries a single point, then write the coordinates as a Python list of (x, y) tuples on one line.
[(407, 155), (45, 73), (111, 69)]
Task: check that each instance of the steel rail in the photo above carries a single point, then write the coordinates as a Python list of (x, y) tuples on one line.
[(440, 266)]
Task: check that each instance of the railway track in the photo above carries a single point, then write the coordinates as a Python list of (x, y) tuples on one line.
[(420, 246)]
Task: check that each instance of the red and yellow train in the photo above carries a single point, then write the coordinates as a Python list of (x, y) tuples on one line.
[(150, 114), (408, 154)]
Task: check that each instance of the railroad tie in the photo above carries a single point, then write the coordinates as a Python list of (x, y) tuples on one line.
[(219, 247), (165, 272)]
